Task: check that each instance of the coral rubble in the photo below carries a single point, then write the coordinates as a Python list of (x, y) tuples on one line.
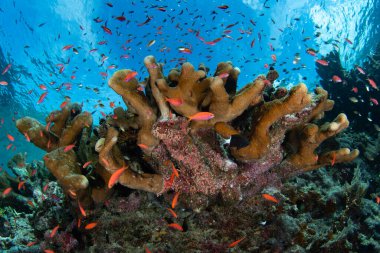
[(247, 145)]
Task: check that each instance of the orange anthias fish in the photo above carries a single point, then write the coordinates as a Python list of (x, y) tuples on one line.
[(174, 101), (142, 146), (115, 177), (270, 198), (322, 62), (336, 79), (223, 75), (10, 137), (6, 69), (86, 164), (30, 244), (82, 211), (130, 75), (202, 116), (175, 200), (172, 212), (147, 250), (7, 191), (49, 251), (106, 29), (374, 101), (176, 226), (91, 225), (68, 148), (42, 97), (378, 200), (54, 231), (372, 83), (233, 244), (67, 47)]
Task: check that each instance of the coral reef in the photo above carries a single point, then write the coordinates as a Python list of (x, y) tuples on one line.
[(269, 140)]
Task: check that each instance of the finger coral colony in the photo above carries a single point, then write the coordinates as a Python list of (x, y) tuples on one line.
[(255, 137)]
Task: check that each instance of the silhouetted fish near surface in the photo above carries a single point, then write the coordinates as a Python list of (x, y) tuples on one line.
[(238, 141)]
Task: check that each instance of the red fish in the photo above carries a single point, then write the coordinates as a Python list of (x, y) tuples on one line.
[(82, 211), (311, 52), (374, 100), (171, 211), (130, 75), (223, 7), (175, 171), (184, 50), (378, 200), (253, 43), (106, 29), (86, 164), (54, 231), (42, 98), (68, 148), (360, 70), (49, 251), (45, 187), (20, 185), (9, 146), (174, 101), (7, 191), (175, 200), (202, 116), (30, 244), (336, 79), (147, 250), (3, 83), (115, 177), (233, 244), (121, 18), (27, 137), (270, 198), (42, 87), (63, 104), (6, 69), (355, 89), (372, 83), (223, 75), (176, 226), (10, 137), (274, 58), (91, 225), (322, 62), (348, 41), (142, 146), (67, 47)]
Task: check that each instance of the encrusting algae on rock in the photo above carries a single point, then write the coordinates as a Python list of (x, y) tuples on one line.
[(273, 139)]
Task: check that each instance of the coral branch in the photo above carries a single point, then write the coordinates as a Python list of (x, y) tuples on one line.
[(310, 136), (191, 90), (111, 159), (139, 103), (268, 114), (154, 74)]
